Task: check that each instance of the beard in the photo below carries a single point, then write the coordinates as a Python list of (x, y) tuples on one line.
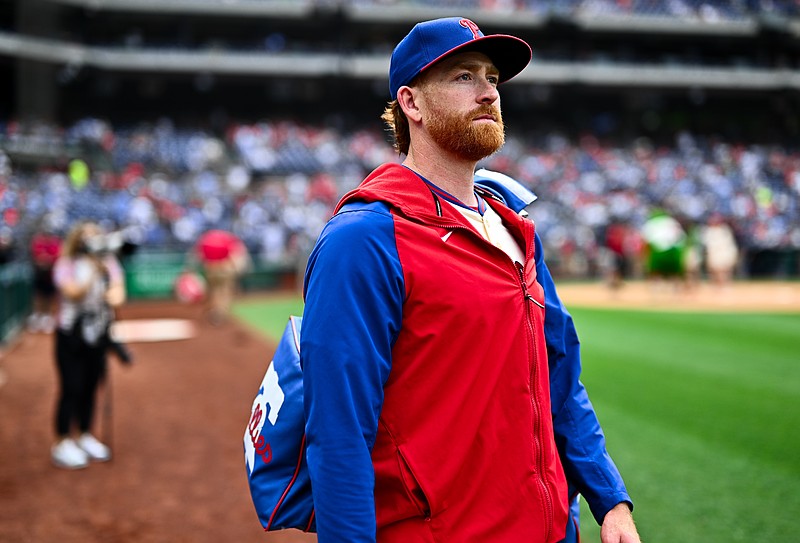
[(462, 137)]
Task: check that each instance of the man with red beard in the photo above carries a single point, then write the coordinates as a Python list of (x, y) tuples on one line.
[(441, 371)]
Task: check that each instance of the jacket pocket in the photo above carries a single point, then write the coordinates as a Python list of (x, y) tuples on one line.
[(412, 487)]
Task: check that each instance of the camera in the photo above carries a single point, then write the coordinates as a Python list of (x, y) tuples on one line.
[(121, 351), (101, 244)]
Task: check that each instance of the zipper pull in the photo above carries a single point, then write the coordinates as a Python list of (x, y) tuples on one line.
[(528, 295)]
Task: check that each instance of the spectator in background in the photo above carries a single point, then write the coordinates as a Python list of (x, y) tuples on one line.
[(618, 246), (45, 249), (223, 258), (721, 250), (692, 254), (8, 247), (90, 284)]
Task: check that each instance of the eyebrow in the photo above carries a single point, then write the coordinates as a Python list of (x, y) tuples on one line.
[(473, 65)]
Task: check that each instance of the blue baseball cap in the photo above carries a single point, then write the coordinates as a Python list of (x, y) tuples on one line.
[(431, 41)]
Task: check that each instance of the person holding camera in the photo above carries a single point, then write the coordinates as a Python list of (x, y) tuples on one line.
[(90, 284)]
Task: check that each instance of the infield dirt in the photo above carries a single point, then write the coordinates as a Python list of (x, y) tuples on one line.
[(176, 426), (776, 296)]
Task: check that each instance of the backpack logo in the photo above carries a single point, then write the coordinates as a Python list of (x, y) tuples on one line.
[(266, 406)]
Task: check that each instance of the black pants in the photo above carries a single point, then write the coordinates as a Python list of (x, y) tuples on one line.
[(81, 368)]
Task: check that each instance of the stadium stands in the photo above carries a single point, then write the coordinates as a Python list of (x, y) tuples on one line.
[(275, 184)]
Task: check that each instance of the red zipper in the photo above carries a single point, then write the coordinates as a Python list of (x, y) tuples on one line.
[(539, 455)]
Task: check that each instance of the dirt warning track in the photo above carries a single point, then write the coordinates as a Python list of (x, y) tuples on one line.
[(768, 296)]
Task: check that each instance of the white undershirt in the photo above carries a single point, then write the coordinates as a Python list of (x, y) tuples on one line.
[(491, 227)]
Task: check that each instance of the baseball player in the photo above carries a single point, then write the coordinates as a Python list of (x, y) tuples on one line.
[(441, 371)]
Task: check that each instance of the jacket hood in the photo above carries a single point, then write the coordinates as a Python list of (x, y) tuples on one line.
[(397, 186), (411, 197)]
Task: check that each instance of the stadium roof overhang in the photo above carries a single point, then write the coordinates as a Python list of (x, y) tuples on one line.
[(372, 66)]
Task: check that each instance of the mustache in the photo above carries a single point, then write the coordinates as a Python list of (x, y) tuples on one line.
[(494, 111)]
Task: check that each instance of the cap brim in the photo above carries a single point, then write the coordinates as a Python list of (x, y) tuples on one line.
[(509, 54)]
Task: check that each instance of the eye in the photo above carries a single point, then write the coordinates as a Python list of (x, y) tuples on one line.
[(493, 79), (465, 76)]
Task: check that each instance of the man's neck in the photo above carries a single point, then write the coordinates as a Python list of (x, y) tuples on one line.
[(453, 175)]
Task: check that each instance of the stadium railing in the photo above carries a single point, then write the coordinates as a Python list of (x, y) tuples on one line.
[(152, 275)]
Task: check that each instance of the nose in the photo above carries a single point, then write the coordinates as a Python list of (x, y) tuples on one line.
[(489, 94)]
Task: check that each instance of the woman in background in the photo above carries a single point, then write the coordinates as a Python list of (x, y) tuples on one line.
[(90, 284), (722, 252)]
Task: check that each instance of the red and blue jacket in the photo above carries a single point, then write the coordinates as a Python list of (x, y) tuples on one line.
[(441, 379)]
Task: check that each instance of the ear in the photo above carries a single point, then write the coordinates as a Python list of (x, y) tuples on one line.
[(407, 98)]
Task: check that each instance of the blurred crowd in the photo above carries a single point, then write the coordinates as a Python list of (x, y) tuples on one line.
[(584, 186), (275, 183)]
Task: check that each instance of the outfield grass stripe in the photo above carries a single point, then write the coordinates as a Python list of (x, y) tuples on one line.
[(763, 428), (707, 384), (689, 489), (269, 316), (734, 346), (701, 412)]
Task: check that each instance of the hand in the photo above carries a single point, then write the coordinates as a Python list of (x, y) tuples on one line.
[(115, 296), (618, 526)]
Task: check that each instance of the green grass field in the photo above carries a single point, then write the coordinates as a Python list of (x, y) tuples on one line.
[(701, 412)]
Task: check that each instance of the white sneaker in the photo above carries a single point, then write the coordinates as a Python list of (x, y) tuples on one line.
[(47, 324), (66, 454), (93, 448), (34, 323)]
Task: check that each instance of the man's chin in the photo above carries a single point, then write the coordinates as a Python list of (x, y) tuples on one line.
[(473, 140), (487, 144), (476, 153)]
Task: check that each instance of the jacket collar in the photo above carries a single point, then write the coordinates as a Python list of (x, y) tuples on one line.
[(411, 197)]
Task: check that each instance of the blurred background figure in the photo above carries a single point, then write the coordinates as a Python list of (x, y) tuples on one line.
[(665, 241), (692, 254), (90, 284), (190, 287), (620, 246), (45, 248), (223, 258), (8, 246), (721, 250)]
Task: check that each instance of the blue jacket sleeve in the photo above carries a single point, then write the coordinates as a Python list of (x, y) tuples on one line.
[(353, 307), (579, 437)]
